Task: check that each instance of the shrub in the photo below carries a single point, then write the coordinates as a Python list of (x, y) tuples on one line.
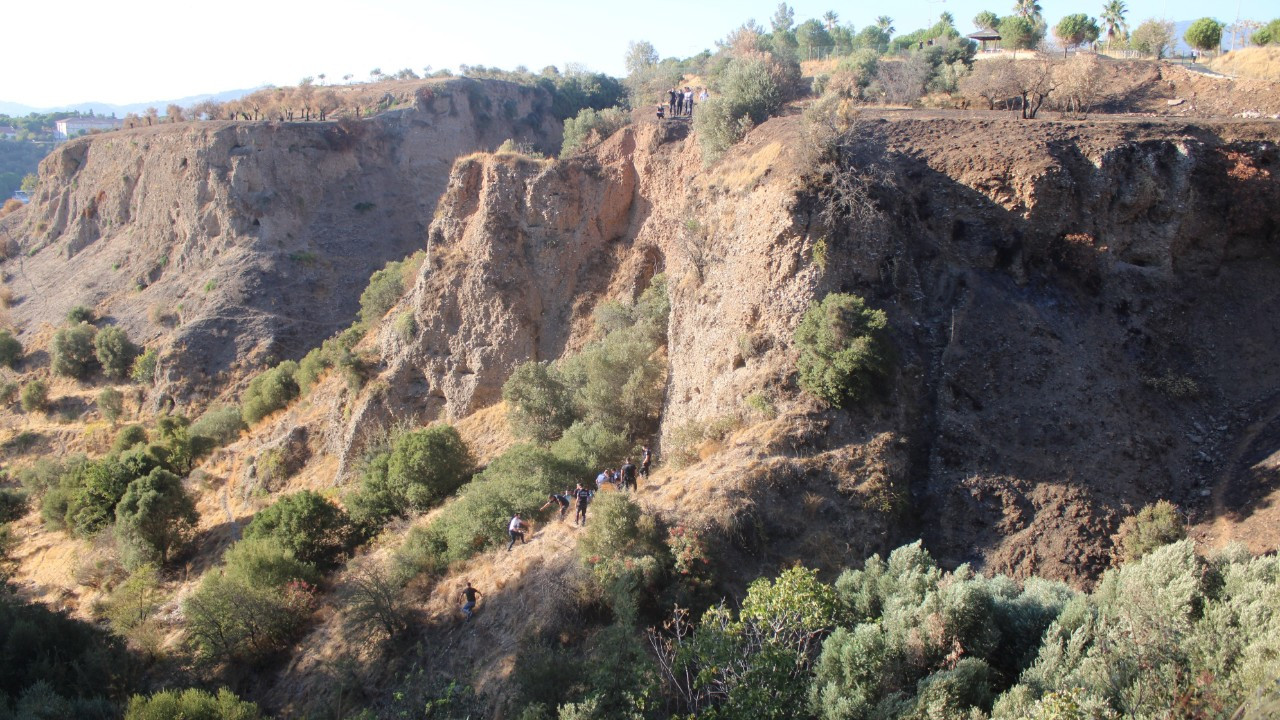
[(603, 123), (591, 445), (135, 600), (270, 391), (539, 404), (1154, 526), (1269, 34), (8, 392), (372, 602), (406, 327), (519, 480), (143, 371), (154, 516), (384, 290), (315, 530), (221, 424), (80, 314), (110, 403), (1152, 37), (10, 349), (614, 526), (843, 353), (421, 469), (114, 351), (13, 504), (95, 488), (129, 436), (191, 704), (56, 666), (72, 351), (254, 607), (35, 396), (752, 88), (618, 381)]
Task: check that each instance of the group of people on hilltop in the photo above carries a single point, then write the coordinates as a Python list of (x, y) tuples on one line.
[(623, 478), (680, 102)]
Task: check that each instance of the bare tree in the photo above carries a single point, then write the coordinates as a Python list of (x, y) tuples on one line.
[(1036, 83), (1079, 82), (696, 242), (152, 115), (373, 604), (174, 113)]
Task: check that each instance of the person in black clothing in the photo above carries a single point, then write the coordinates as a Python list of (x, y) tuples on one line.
[(672, 101), (644, 462), (584, 498), (469, 595), (554, 498), (628, 475)]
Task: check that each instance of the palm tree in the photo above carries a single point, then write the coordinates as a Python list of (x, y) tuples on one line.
[(1113, 18), (830, 17), (885, 23), (1029, 9), (947, 19)]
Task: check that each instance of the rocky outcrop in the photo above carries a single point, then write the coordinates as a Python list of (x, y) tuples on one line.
[(1049, 295), (230, 244)]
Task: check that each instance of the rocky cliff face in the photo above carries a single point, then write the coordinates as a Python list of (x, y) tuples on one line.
[(230, 245), (1080, 311)]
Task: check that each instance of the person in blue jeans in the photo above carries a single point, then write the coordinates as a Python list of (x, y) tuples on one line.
[(469, 595)]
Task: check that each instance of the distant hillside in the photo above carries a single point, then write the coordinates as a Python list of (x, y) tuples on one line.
[(101, 108)]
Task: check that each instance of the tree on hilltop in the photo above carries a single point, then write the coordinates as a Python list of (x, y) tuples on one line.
[(1029, 9), (986, 20), (1204, 35), (784, 18), (830, 18), (1076, 30)]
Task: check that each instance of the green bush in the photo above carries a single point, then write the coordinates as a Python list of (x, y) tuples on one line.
[(191, 704), (1204, 34), (13, 504), (591, 445), (519, 480), (1269, 34), (752, 88), (143, 371), (618, 381), (843, 350), (422, 469), (110, 403), (539, 404), (129, 436), (383, 292), (10, 349), (221, 424), (1170, 634), (254, 607), (72, 351), (56, 666), (154, 517), (270, 391), (603, 123), (114, 351), (406, 327), (315, 530), (94, 488), (614, 528), (1154, 526), (8, 392), (80, 314), (35, 396), (135, 600)]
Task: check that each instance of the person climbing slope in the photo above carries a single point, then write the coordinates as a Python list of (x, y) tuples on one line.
[(553, 498), (515, 530), (469, 595)]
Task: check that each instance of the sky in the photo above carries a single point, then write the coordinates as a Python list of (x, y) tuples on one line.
[(128, 51)]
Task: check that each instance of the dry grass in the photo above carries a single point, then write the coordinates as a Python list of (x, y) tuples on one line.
[(1261, 63)]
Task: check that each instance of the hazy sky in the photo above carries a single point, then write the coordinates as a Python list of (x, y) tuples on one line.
[(126, 51)]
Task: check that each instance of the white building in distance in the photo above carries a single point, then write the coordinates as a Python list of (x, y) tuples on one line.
[(73, 126)]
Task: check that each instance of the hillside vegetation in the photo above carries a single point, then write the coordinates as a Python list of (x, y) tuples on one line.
[(952, 412)]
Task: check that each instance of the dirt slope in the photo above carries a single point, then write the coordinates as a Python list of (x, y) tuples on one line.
[(229, 245)]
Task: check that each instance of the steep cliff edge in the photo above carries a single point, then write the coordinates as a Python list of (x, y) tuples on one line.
[(228, 244), (1049, 286)]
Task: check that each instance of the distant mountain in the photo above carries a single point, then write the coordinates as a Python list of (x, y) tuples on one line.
[(100, 108)]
